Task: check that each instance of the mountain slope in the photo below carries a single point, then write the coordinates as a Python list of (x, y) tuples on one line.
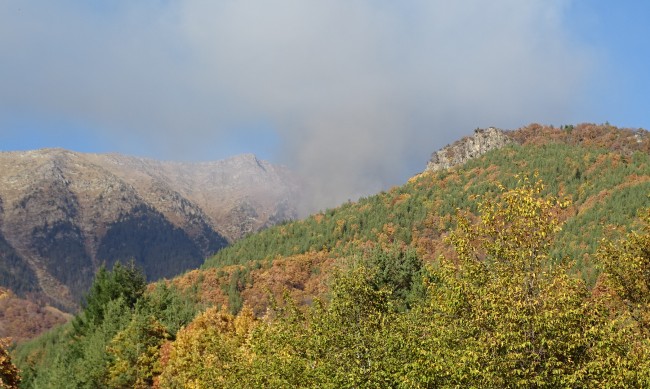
[(62, 214), (603, 170)]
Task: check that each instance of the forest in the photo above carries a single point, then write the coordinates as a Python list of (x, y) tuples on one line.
[(527, 267)]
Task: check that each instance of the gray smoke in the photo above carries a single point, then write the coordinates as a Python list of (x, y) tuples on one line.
[(358, 93)]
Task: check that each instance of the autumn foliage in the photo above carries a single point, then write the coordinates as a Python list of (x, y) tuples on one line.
[(499, 312), (9, 374), (22, 319), (473, 277)]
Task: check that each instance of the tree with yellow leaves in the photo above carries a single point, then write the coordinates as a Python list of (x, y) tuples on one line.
[(208, 353), (9, 374), (502, 312), (134, 353)]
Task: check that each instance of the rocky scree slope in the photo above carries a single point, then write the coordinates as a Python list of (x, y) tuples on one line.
[(63, 214)]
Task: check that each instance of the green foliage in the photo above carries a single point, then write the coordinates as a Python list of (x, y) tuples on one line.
[(169, 306), (347, 343), (500, 312), (500, 315), (115, 341), (625, 289), (399, 270), (31, 355), (75, 354), (503, 306), (627, 272), (133, 353), (238, 279), (617, 209), (123, 282), (81, 361)]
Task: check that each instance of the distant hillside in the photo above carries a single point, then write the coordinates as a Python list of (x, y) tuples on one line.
[(63, 214), (22, 319), (603, 170)]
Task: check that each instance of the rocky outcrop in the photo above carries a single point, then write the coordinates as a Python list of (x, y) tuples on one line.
[(63, 214), (467, 148)]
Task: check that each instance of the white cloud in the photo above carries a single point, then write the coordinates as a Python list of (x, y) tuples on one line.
[(360, 92)]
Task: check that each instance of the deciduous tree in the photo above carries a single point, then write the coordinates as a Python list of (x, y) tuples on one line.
[(502, 313), (9, 374)]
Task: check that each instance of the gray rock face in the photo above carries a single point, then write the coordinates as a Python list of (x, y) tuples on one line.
[(467, 148), (63, 214)]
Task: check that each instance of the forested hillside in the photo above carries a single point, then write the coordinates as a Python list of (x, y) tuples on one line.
[(523, 267), (603, 171)]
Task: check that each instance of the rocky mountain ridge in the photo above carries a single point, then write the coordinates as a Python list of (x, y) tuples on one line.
[(63, 214), (468, 148), (623, 140)]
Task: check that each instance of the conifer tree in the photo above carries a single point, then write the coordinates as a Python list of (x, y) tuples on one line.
[(124, 281)]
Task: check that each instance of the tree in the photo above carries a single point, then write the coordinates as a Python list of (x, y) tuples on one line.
[(208, 352), (134, 352), (353, 340), (501, 312), (348, 342), (399, 270), (624, 287), (79, 356), (172, 307), (626, 266), (124, 281), (9, 374)]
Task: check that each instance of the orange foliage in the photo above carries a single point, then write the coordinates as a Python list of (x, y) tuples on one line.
[(623, 140), (22, 319), (304, 276)]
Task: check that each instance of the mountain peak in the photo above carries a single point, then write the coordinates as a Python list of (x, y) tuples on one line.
[(64, 210)]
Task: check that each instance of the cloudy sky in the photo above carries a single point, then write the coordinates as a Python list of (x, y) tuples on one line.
[(352, 94)]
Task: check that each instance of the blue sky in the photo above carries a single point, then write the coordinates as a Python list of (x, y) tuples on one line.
[(618, 31), (354, 95)]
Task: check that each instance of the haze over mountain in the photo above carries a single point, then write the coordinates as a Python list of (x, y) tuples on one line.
[(63, 214), (355, 109)]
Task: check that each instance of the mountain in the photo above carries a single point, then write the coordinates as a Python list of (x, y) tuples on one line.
[(457, 278), (602, 170), (63, 214)]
